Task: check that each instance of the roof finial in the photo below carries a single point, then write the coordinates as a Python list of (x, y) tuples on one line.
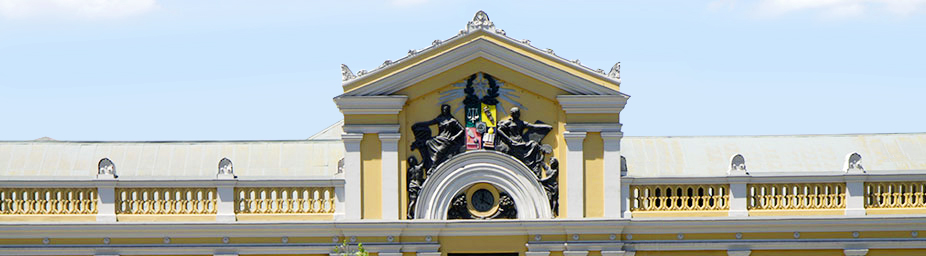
[(480, 21), (615, 72), (346, 74)]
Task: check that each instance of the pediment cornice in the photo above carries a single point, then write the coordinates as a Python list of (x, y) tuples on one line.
[(481, 39)]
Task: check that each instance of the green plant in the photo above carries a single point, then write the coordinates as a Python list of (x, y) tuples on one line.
[(345, 249)]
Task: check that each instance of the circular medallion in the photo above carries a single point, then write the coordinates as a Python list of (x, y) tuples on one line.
[(482, 200)]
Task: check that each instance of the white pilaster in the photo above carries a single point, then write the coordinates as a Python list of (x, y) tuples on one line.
[(575, 175), (627, 200), (738, 207), (106, 200), (352, 185), (546, 253), (612, 174), (855, 196), (225, 205), (390, 174)]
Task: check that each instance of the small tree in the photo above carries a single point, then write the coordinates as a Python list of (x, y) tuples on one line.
[(345, 249)]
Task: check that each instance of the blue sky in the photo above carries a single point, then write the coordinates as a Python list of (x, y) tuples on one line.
[(267, 70)]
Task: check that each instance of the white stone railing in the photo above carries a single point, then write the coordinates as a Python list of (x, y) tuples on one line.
[(47, 201), (291, 200), (169, 200), (781, 194)]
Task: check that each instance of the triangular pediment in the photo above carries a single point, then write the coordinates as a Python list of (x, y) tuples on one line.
[(481, 40)]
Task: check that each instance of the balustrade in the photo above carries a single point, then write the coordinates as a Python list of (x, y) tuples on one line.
[(680, 197), (291, 200), (886, 195), (803, 196), (48, 201), (165, 200)]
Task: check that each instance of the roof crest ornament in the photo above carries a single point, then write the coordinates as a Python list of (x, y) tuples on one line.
[(853, 164), (346, 74), (737, 166), (615, 73), (480, 21)]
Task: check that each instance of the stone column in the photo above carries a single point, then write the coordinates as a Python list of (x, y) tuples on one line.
[(575, 175), (352, 186), (738, 203), (612, 174), (390, 174), (225, 205), (855, 195), (106, 199)]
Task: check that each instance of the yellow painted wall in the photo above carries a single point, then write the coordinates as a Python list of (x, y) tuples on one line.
[(372, 180), (683, 253), (896, 252), (798, 252), (593, 152), (483, 244)]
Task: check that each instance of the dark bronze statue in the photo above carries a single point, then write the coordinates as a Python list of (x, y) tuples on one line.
[(415, 180), (522, 140), (550, 184), (448, 142)]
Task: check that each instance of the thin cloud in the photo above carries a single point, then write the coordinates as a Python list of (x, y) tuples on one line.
[(84, 9), (824, 8)]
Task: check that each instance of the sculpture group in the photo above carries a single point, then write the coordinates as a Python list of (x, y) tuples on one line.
[(513, 136)]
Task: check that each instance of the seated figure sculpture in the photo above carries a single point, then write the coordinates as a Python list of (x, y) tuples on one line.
[(522, 140), (448, 142)]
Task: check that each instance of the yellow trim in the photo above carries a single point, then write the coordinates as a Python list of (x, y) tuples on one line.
[(49, 217), (483, 244), (838, 252), (896, 252), (165, 217), (283, 217), (879, 211), (656, 214), (811, 212)]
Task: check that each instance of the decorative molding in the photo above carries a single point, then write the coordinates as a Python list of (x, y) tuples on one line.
[(369, 128), (482, 48), (106, 169), (226, 170), (738, 252), (737, 166), (480, 21), (611, 130), (346, 74), (615, 73), (496, 168), (593, 104), (853, 163), (370, 105), (855, 252)]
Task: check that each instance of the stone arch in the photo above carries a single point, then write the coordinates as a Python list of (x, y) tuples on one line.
[(499, 169)]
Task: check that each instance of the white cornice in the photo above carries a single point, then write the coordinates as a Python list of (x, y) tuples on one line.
[(370, 128), (373, 105), (482, 25), (594, 127), (593, 104), (482, 48)]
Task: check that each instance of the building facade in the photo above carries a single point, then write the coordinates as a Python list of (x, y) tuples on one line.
[(480, 144)]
